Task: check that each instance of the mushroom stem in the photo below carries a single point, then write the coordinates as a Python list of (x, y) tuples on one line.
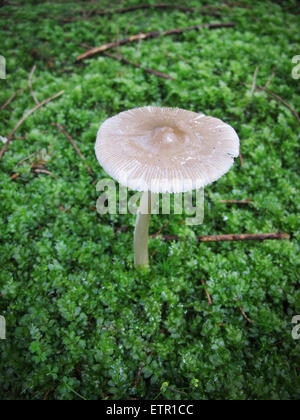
[(141, 231)]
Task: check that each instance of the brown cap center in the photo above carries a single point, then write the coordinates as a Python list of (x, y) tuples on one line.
[(164, 135)]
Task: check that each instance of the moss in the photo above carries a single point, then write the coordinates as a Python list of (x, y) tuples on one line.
[(80, 319)]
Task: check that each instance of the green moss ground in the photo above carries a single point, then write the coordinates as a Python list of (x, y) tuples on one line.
[(80, 319)]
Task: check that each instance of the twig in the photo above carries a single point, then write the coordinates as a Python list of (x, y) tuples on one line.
[(138, 377), (124, 60), (241, 157), (245, 315), (235, 201), (153, 253), (274, 95), (30, 85), (10, 99), (46, 395), (270, 79), (67, 135), (153, 34), (254, 81), (161, 229), (10, 136), (14, 176), (44, 171), (206, 292), (234, 237), (243, 237)]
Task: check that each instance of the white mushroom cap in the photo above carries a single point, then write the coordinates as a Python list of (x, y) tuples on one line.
[(165, 149)]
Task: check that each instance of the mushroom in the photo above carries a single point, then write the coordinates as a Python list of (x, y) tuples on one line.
[(160, 150)]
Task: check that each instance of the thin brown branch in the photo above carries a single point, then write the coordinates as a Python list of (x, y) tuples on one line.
[(30, 85), (269, 79), (124, 60), (11, 134), (44, 171), (46, 395), (153, 253), (14, 176), (10, 99), (278, 98), (254, 81), (138, 376), (67, 135), (153, 34), (241, 157), (243, 237), (245, 315), (234, 237), (161, 229), (236, 201), (210, 302)]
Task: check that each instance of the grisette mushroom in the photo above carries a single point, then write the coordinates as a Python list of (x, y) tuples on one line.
[(160, 150)]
